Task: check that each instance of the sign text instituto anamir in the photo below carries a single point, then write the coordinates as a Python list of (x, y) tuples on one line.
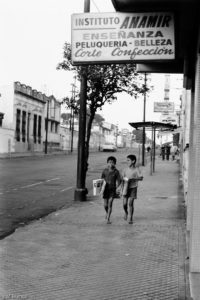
[(120, 37)]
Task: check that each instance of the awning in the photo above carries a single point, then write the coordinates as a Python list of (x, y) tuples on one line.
[(187, 16), (151, 124)]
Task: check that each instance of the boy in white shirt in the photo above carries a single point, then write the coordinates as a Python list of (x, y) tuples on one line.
[(130, 176)]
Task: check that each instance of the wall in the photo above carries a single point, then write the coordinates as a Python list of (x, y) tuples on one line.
[(7, 144)]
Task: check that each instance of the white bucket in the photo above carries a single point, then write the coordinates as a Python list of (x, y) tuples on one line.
[(97, 184)]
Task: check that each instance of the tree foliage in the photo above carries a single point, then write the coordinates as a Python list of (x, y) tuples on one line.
[(65, 116), (98, 119), (138, 135)]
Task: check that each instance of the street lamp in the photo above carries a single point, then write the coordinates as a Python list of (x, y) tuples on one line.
[(72, 111), (116, 133)]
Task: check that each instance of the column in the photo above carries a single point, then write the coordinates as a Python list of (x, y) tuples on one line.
[(195, 220), (191, 172)]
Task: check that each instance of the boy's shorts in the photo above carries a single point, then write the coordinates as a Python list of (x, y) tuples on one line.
[(109, 193), (132, 193)]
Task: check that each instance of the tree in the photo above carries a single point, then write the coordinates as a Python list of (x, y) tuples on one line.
[(104, 82), (139, 135), (66, 116), (98, 119)]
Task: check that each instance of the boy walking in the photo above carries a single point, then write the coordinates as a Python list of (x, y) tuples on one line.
[(130, 176), (112, 180)]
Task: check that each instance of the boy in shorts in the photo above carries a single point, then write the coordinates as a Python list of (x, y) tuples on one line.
[(112, 180), (130, 176)]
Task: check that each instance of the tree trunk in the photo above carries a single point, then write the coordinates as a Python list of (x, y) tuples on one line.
[(87, 142)]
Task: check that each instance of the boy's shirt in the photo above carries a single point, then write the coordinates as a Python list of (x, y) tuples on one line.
[(131, 174), (111, 176)]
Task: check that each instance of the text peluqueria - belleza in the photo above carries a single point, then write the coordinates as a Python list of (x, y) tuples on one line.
[(94, 42)]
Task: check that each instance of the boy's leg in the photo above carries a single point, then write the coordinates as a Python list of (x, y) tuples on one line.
[(125, 206), (110, 203), (131, 210), (106, 206)]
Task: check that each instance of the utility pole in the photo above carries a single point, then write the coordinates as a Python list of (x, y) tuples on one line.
[(72, 112), (117, 130), (72, 129), (144, 119), (81, 191), (47, 123)]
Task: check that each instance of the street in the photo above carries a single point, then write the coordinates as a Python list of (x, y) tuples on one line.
[(33, 187)]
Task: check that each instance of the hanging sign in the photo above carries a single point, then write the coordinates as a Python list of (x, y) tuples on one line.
[(164, 106), (122, 37), (171, 118)]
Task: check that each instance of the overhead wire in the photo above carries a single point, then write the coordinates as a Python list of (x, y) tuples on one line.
[(95, 5)]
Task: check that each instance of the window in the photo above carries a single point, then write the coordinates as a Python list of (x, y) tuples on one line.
[(35, 129), (39, 129), (46, 124), (17, 130), (52, 108), (23, 126), (28, 126), (56, 127), (1, 119), (52, 126)]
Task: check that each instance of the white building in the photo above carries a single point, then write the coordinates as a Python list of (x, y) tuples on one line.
[(7, 131), (24, 112)]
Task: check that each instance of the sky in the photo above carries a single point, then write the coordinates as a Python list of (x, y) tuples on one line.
[(32, 35)]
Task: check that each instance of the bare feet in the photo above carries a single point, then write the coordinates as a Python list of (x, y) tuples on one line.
[(125, 216), (109, 222)]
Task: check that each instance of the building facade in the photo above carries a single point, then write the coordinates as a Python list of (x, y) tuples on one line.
[(25, 112), (52, 132)]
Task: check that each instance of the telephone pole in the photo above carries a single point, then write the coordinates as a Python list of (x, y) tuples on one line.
[(81, 191), (72, 112)]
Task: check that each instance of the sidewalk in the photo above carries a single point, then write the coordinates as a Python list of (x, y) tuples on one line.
[(74, 255), (32, 154)]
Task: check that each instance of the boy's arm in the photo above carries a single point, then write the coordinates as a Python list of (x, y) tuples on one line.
[(103, 184), (140, 176), (118, 181)]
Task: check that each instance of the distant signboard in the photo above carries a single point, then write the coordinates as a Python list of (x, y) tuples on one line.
[(169, 119), (122, 37), (125, 131), (164, 106)]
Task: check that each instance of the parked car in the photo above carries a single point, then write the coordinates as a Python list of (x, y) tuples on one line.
[(108, 147)]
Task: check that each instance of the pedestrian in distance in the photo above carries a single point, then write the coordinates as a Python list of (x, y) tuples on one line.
[(163, 152), (112, 181), (148, 149), (130, 177), (168, 151), (173, 151)]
